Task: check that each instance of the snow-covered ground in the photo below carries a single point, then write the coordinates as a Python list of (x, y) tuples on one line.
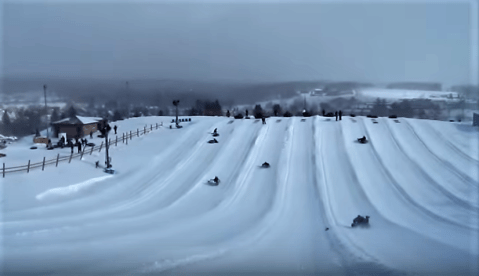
[(417, 179), (400, 94)]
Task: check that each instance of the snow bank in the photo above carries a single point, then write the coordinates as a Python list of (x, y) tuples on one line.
[(72, 189)]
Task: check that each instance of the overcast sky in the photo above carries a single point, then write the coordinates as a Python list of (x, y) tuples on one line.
[(240, 42)]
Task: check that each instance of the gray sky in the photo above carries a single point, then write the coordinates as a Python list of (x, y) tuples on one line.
[(240, 42)]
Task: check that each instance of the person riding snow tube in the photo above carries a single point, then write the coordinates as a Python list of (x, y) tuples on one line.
[(265, 165), (360, 220), (362, 140)]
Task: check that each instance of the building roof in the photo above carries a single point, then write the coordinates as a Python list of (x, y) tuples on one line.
[(79, 120)]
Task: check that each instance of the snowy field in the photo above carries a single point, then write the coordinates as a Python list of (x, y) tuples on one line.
[(418, 180), (400, 94)]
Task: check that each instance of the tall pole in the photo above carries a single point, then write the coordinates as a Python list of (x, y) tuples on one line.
[(175, 103), (128, 100), (107, 146), (46, 109)]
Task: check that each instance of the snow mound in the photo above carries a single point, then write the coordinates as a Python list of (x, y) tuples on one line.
[(72, 189)]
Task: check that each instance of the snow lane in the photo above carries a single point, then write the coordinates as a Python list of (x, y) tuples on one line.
[(444, 179), (442, 149), (391, 207), (292, 229), (345, 199), (464, 138), (253, 198), (410, 177), (391, 197)]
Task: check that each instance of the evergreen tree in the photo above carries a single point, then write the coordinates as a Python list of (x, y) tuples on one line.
[(276, 109), (6, 119), (258, 111), (55, 117), (72, 112), (117, 116)]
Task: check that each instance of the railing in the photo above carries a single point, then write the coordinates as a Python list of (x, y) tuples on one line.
[(123, 138)]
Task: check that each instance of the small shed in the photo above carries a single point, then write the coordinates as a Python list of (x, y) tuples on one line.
[(78, 126)]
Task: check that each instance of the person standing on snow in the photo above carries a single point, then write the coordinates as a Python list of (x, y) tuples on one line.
[(115, 128), (336, 114), (340, 114)]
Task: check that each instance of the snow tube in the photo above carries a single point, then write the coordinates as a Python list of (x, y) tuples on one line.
[(359, 220)]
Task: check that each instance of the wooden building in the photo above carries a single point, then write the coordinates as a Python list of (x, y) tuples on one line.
[(78, 126)]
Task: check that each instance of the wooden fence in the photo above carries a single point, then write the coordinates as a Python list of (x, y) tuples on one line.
[(122, 139)]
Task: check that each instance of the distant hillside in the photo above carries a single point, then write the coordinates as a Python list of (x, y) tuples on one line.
[(416, 86)]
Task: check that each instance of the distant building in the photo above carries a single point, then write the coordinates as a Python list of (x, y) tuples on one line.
[(78, 126)]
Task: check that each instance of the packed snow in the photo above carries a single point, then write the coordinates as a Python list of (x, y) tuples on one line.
[(418, 180)]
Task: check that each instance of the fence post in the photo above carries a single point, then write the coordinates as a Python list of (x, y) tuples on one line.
[(3, 169), (82, 153), (101, 146), (28, 168), (116, 140), (151, 127), (58, 156), (137, 133), (144, 130), (123, 137), (130, 135), (43, 166), (156, 125), (71, 155)]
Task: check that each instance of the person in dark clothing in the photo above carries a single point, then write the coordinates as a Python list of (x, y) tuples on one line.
[(340, 114), (336, 114), (86, 141), (362, 139), (115, 128), (264, 120), (91, 135), (215, 131), (79, 147)]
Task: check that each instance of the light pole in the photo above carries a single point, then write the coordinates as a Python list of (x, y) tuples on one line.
[(175, 103), (46, 109), (128, 100), (105, 130)]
